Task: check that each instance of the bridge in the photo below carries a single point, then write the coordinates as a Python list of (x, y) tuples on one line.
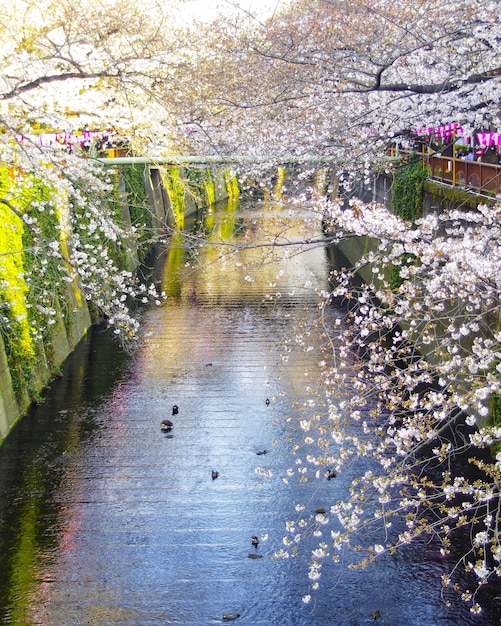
[(483, 178), (212, 160)]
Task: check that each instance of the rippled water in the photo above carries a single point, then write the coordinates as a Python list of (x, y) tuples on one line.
[(106, 520)]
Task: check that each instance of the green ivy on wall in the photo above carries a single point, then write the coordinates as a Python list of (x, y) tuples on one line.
[(138, 203), (408, 203), (408, 191), (175, 189), (201, 186), (210, 188), (232, 186), (38, 227), (22, 296)]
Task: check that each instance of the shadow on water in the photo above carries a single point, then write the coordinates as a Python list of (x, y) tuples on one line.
[(107, 520), (34, 461)]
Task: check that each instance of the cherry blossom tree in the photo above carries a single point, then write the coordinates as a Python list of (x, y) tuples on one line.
[(409, 379), (339, 82), (75, 74), (327, 77), (68, 64), (342, 81)]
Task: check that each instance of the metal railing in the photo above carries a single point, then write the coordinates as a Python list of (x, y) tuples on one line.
[(214, 160)]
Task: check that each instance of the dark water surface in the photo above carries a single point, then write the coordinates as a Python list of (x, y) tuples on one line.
[(106, 520)]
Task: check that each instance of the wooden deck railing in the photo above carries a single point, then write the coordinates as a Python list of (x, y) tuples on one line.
[(483, 177)]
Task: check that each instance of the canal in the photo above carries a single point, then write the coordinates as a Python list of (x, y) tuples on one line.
[(106, 520)]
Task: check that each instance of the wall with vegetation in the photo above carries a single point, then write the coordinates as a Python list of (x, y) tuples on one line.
[(32, 350), (37, 329)]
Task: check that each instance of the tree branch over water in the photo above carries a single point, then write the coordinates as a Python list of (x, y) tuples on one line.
[(339, 81)]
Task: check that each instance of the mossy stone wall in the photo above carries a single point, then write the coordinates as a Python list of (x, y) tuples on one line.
[(149, 199)]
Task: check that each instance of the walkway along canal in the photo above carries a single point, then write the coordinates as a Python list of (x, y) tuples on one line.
[(105, 520)]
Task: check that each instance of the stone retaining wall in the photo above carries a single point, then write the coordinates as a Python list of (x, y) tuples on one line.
[(66, 333)]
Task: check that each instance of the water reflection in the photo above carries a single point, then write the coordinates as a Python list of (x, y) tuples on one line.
[(34, 462), (106, 520)]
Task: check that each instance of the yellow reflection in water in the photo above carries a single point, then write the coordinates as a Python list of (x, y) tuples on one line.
[(251, 247)]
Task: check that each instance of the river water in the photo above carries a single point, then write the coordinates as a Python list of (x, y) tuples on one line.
[(105, 520)]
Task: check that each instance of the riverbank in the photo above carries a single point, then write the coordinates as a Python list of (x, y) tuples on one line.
[(40, 331)]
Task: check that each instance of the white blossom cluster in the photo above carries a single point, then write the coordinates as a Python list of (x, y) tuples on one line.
[(409, 379), (73, 237)]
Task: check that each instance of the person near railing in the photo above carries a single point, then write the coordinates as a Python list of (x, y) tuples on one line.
[(490, 156)]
